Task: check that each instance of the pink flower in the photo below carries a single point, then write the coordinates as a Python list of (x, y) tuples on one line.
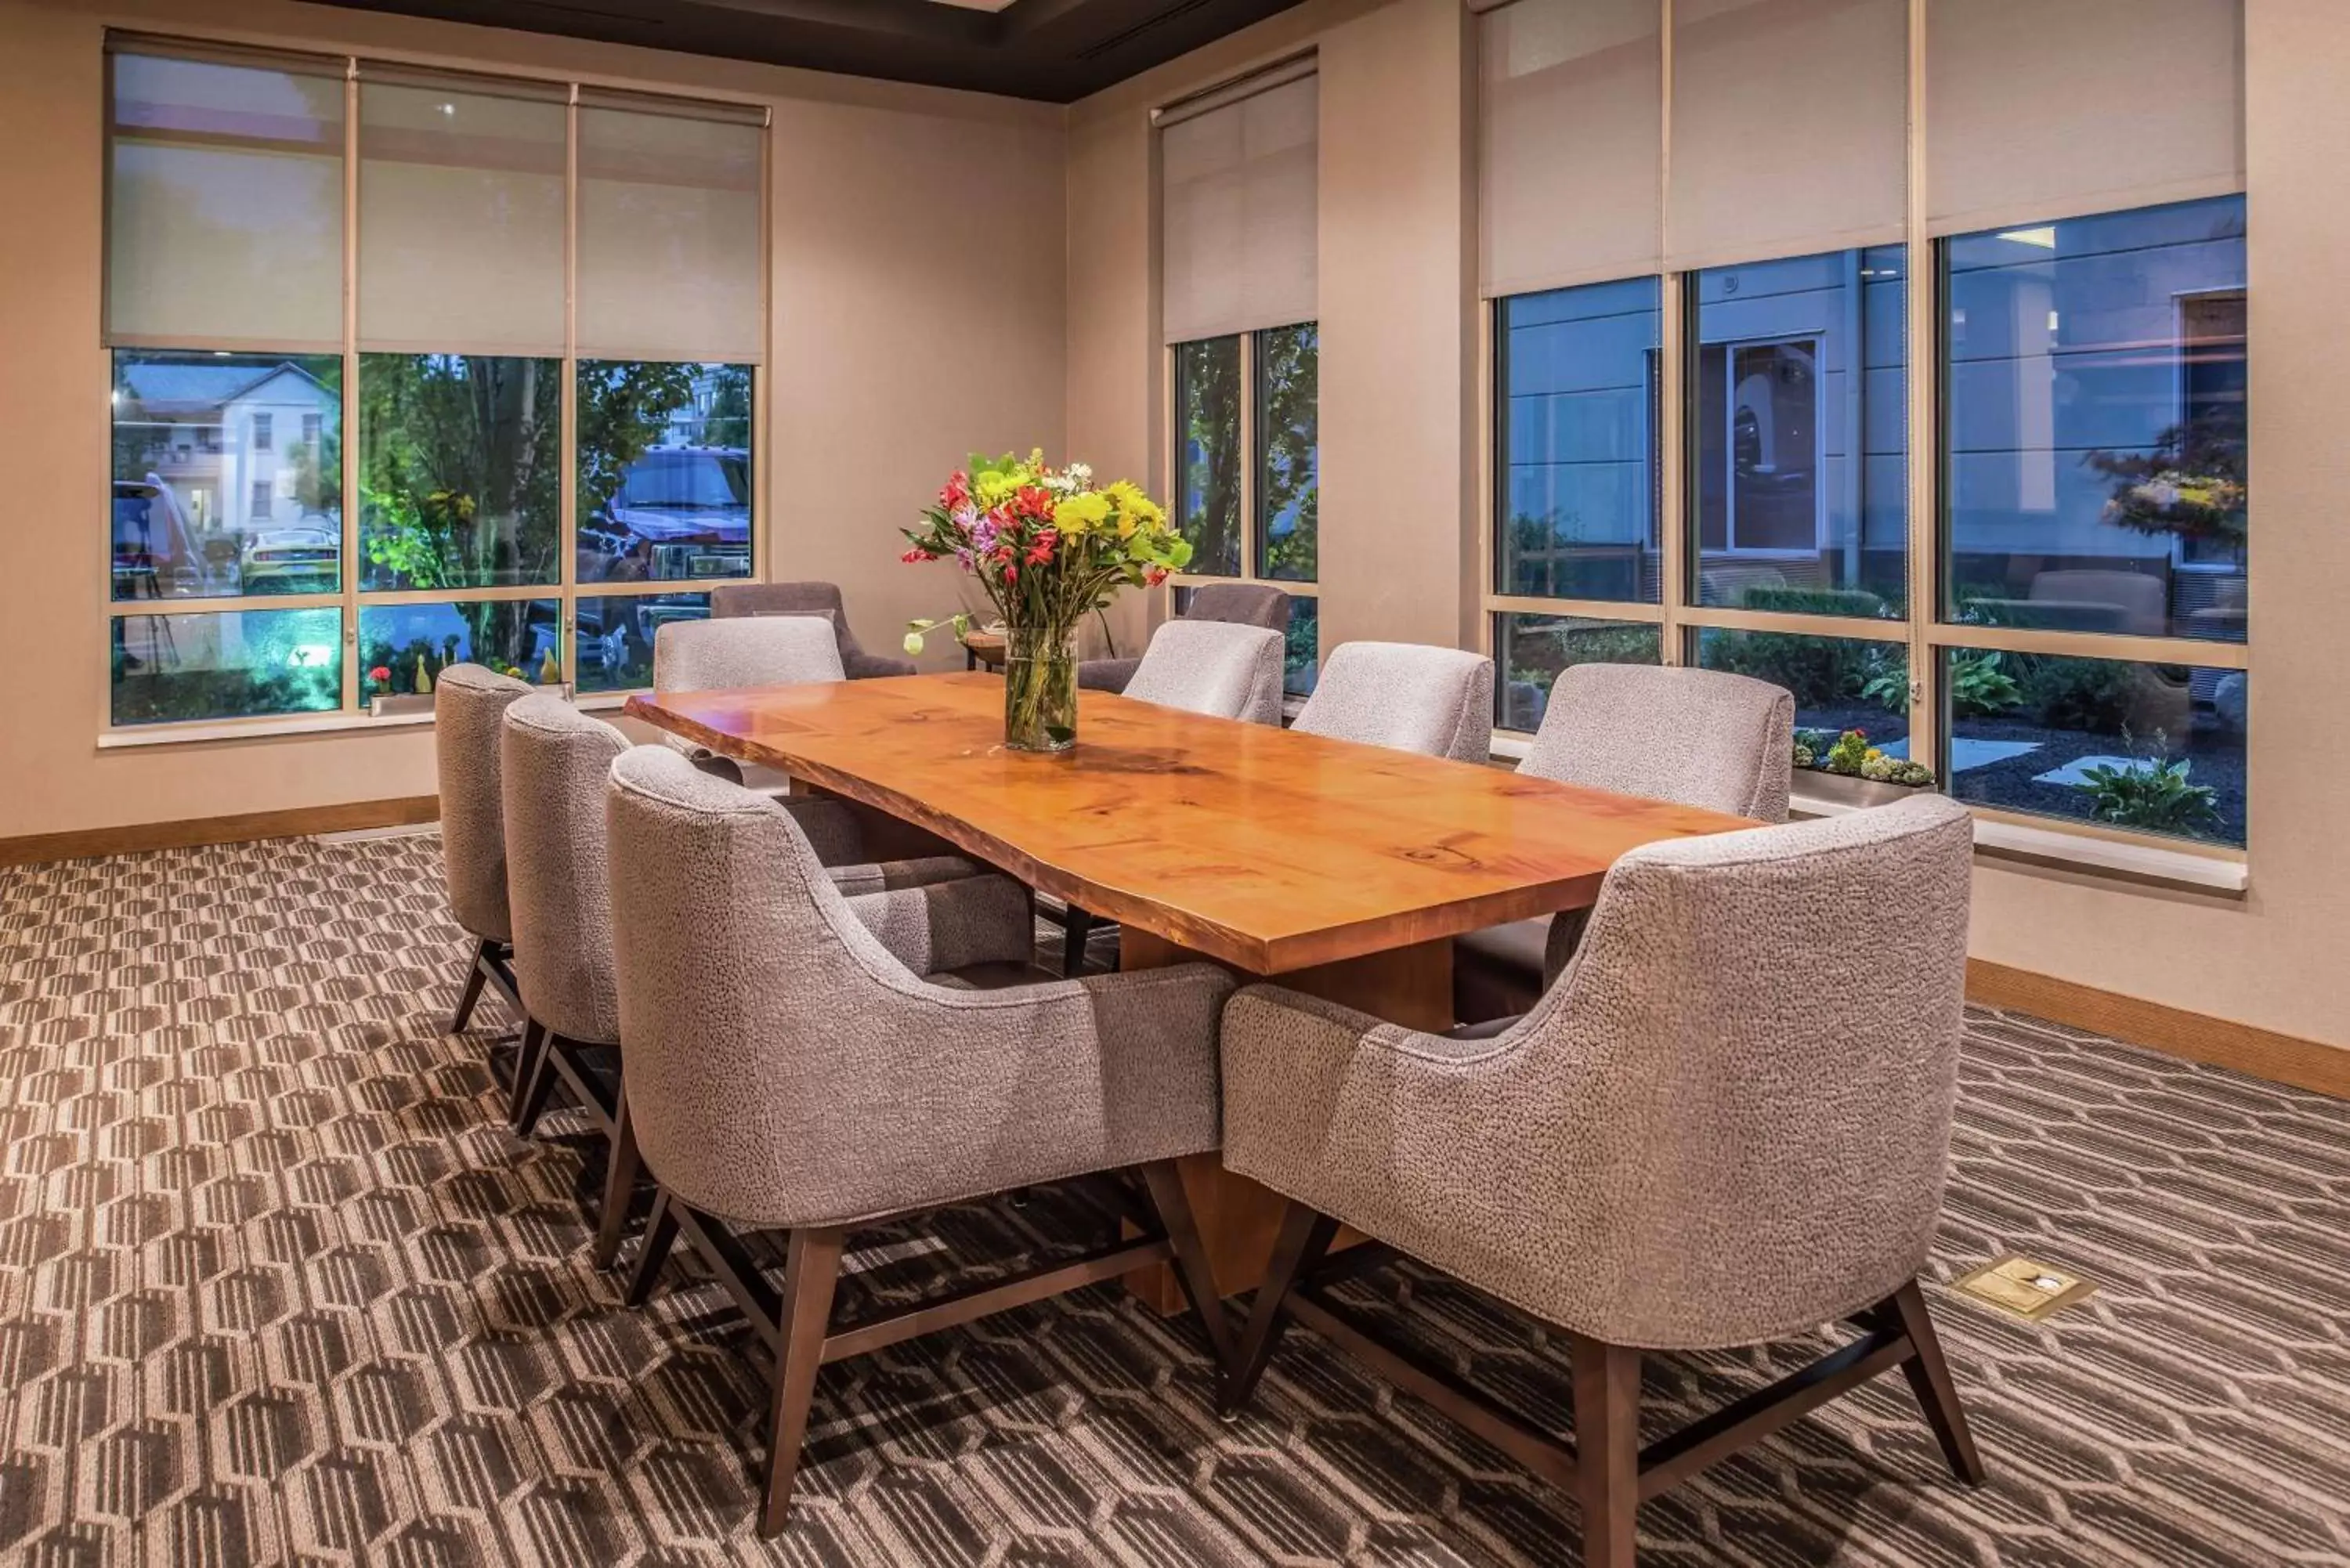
[(917, 554)]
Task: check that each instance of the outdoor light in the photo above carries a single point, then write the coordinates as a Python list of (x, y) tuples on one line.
[(2045, 238)]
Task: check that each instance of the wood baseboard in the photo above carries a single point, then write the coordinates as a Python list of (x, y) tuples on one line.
[(296, 823), (2199, 1037)]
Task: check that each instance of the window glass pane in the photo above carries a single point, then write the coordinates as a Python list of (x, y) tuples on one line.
[(1532, 649), (481, 170), (1289, 453), (664, 471), (1579, 436), (1208, 453), (2098, 434), (406, 647), (1799, 416), (232, 665), (669, 258), (1302, 659), (228, 474), (459, 458), (2154, 747), (615, 635), (1841, 685), (226, 202)]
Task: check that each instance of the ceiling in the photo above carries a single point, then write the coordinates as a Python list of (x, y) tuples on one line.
[(1056, 50)]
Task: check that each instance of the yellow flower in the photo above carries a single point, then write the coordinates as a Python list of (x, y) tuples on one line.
[(1077, 513), (994, 489)]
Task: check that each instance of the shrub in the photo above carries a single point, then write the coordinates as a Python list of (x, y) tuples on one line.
[(1853, 602), (1980, 688), (2154, 795), (2099, 696)]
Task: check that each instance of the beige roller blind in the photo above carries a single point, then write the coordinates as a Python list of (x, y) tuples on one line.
[(1239, 218), (2054, 108), (225, 201), (670, 224), (461, 219), (1570, 137), (1790, 126)]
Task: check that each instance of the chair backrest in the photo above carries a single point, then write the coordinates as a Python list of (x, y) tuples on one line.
[(2138, 602), (1438, 701), (1212, 667), (765, 651), (468, 702), (736, 600), (1694, 737), (1239, 604), (556, 762), (1744, 1079)]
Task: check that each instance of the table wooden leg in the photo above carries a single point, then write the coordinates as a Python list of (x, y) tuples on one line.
[(1239, 1218)]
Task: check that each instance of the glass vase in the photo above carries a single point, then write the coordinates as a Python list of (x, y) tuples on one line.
[(1040, 691)]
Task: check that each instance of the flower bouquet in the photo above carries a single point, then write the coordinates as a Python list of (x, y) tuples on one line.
[(1050, 549)]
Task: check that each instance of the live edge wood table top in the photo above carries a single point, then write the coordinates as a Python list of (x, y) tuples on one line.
[(1271, 850)]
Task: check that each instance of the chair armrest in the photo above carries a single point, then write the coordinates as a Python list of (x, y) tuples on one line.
[(942, 925), (889, 876), (1106, 674), (863, 666)]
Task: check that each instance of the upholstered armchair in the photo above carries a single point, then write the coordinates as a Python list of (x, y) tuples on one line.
[(786, 1073), (1216, 668), (820, 599), (1232, 604), (1693, 737), (1726, 1125), (1438, 701), (468, 702)]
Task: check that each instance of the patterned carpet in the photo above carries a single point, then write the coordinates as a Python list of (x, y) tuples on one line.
[(276, 1286)]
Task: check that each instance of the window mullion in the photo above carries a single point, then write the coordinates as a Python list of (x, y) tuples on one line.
[(1674, 454), (1926, 354), (567, 502), (1250, 390), (352, 653)]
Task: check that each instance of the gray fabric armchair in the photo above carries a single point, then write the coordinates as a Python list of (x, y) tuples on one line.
[(1438, 701), (468, 702), (1694, 737), (1727, 1124), (1232, 604), (1214, 668), (811, 1081), (740, 600)]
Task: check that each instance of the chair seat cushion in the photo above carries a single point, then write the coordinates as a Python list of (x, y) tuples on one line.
[(994, 977)]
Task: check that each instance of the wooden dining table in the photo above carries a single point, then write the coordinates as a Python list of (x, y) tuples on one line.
[(1339, 869)]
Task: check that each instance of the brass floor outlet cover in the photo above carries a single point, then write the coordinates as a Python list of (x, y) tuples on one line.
[(2025, 1287)]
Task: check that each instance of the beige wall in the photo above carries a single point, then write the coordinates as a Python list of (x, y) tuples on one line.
[(871, 399), (1400, 451)]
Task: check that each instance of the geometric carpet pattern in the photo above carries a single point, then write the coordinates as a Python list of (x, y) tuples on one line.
[(276, 1285)]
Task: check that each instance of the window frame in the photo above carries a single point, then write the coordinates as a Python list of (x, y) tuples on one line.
[(565, 588)]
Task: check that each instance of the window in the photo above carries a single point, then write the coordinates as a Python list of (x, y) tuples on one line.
[(1208, 453), (1531, 650), (1288, 451), (479, 404)]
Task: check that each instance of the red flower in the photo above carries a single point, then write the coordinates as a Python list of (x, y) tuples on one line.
[(1033, 501), (1011, 573), (1041, 551), (957, 493), (380, 674), (917, 554), (1154, 576)]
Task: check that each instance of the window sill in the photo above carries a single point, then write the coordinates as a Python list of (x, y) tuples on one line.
[(278, 729), (2144, 861)]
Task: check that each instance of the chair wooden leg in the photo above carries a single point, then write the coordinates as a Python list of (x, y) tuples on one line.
[(1304, 1237), (1606, 1450), (543, 1076), (1165, 1184), (1075, 926), (811, 1268), (1929, 1378), (527, 1055), (620, 1185), (477, 975), (661, 1235)]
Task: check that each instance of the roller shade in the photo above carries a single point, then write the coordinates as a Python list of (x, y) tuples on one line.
[(1238, 218), (1790, 133), (668, 231), (2057, 109), (461, 218), (224, 199)]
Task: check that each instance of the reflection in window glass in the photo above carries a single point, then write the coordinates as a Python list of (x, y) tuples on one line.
[(1840, 684), (2151, 748), (235, 665), (1798, 422), (1578, 432), (404, 648), (1531, 650), (664, 471), (615, 635), (460, 471), (1302, 656), (210, 499), (2096, 419), (1208, 453), (1288, 457)]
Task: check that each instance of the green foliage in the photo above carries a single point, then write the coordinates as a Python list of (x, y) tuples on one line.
[(1821, 671), (1289, 378), (1857, 603), (624, 408), (2153, 793), (1979, 688), (459, 469), (1851, 749), (1206, 510), (2099, 696)]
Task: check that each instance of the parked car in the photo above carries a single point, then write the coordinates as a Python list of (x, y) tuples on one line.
[(298, 560), (679, 512), (155, 554)]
